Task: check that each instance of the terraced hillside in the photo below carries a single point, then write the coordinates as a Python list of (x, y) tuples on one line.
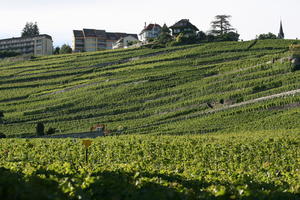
[(228, 86), (244, 95)]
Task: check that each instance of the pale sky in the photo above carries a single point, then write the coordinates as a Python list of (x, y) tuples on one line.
[(59, 17)]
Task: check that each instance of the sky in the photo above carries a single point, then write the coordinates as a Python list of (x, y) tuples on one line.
[(59, 17)]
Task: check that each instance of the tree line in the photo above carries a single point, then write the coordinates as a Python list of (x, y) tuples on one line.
[(221, 30)]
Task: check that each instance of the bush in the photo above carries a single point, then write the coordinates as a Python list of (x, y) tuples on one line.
[(1, 116), (65, 49), (6, 54), (51, 131), (40, 128), (2, 135), (267, 36)]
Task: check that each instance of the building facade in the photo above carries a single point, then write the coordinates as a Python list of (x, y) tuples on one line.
[(88, 40), (150, 31), (184, 26), (39, 45), (124, 42)]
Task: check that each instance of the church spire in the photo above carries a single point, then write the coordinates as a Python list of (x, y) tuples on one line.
[(281, 33)]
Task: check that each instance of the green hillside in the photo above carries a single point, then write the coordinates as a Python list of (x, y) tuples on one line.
[(177, 90), (213, 121)]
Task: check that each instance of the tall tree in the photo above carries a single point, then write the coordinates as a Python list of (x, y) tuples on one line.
[(31, 29), (221, 25), (65, 49), (56, 50), (164, 36)]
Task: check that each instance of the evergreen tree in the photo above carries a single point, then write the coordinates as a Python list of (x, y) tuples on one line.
[(1, 116), (40, 129), (164, 36), (201, 36), (56, 50), (31, 29), (221, 25)]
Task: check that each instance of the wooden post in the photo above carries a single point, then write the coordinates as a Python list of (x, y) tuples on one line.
[(86, 155), (86, 144)]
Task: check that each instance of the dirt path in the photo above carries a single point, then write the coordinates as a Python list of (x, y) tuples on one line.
[(288, 93), (72, 135), (214, 110)]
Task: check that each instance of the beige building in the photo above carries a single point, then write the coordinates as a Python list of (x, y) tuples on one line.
[(93, 40), (38, 45), (125, 42)]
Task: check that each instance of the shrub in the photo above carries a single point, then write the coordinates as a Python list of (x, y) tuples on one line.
[(267, 36), (2, 135), (40, 128), (51, 131), (1, 116)]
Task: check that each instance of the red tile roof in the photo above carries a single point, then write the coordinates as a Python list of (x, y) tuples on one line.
[(150, 27)]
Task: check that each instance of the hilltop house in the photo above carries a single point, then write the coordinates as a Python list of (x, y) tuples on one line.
[(151, 31), (125, 42), (184, 26), (87, 40)]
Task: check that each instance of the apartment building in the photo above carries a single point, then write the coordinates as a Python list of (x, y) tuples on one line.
[(87, 40), (39, 45)]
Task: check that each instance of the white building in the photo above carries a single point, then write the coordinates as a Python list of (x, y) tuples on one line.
[(125, 42), (151, 31)]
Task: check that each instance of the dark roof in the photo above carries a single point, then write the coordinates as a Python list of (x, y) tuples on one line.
[(101, 33), (89, 32), (78, 33), (117, 36), (18, 38), (133, 35), (150, 27), (184, 23)]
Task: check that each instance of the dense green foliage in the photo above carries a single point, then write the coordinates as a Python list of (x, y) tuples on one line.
[(7, 54), (31, 29), (153, 90), (40, 129), (231, 166), (223, 87), (267, 36), (65, 49)]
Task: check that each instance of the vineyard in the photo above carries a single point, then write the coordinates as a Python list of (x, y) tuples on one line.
[(153, 91), (206, 121), (264, 165)]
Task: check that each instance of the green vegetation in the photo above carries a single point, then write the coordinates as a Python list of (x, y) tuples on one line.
[(7, 54), (264, 165), (158, 91), (65, 49), (220, 121), (30, 30), (267, 36)]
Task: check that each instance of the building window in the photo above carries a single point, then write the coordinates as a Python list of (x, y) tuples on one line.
[(176, 30)]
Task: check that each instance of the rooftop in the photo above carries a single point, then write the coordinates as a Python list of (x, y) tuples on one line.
[(184, 23), (19, 38)]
